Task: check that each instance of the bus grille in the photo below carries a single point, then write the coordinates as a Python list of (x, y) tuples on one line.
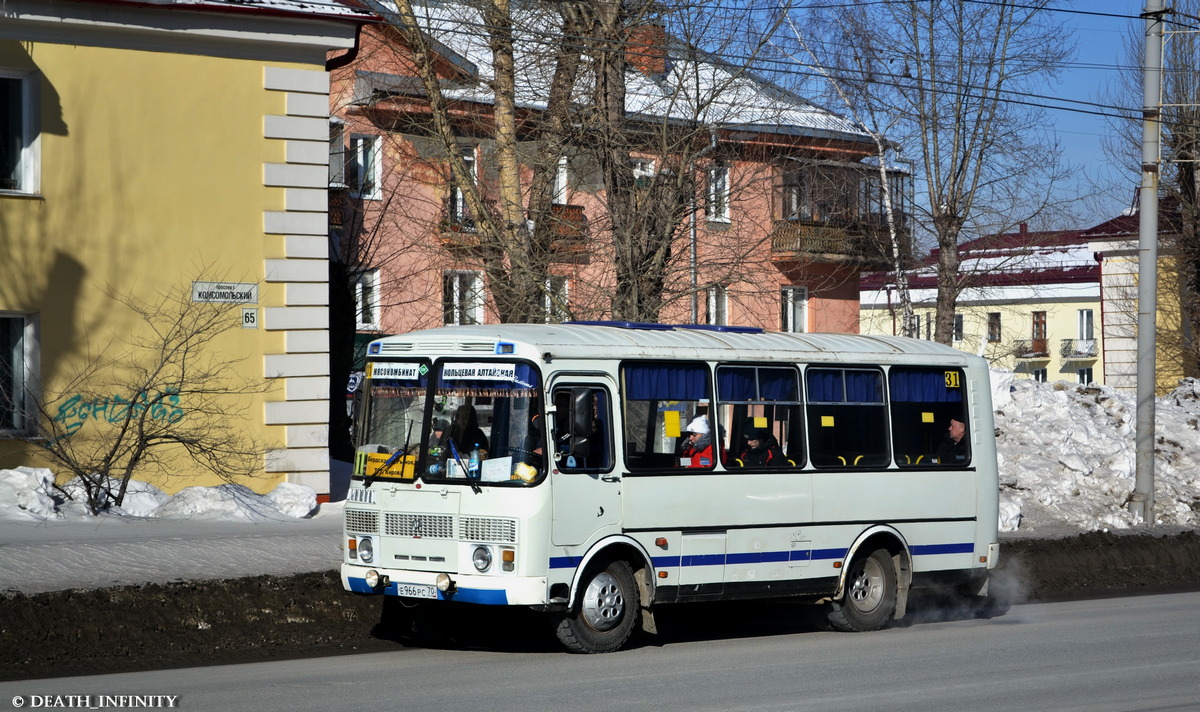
[(360, 522), (437, 526), (486, 529)]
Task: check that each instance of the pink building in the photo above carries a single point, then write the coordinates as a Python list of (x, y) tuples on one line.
[(787, 208)]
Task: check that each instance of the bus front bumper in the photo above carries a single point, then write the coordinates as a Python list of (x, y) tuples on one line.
[(488, 590)]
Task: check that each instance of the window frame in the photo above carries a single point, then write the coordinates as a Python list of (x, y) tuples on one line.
[(456, 309), (27, 164), (717, 209), (995, 327), (337, 154), (457, 210), (717, 303), (556, 284), (787, 304), (364, 166), (17, 419), (367, 282)]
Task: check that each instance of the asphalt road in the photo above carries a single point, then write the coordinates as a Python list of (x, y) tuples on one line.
[(1137, 653)]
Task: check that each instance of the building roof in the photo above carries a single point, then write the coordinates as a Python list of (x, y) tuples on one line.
[(336, 9), (1021, 258), (694, 86)]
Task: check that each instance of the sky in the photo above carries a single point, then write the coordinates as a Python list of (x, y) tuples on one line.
[(1099, 28), (1066, 459)]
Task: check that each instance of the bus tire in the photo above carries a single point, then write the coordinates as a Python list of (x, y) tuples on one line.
[(607, 611), (869, 599)]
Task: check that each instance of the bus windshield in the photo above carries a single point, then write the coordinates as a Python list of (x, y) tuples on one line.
[(480, 421)]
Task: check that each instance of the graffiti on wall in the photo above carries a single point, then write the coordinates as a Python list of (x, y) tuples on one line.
[(160, 406)]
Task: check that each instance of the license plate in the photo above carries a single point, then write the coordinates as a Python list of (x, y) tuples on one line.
[(415, 590)]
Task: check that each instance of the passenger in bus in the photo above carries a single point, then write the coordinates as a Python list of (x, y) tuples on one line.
[(437, 444), (762, 450), (698, 450), (465, 432), (953, 449)]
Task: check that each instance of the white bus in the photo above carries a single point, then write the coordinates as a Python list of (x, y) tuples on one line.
[(551, 466)]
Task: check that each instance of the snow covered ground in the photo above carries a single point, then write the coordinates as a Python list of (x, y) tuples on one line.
[(1066, 457)]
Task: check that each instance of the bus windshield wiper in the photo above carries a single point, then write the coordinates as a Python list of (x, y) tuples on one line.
[(400, 452), (370, 479), (463, 466)]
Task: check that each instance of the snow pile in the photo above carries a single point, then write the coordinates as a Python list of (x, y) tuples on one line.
[(1067, 455), (27, 494)]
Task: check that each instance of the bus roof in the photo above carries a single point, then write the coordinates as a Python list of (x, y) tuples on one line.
[(622, 340)]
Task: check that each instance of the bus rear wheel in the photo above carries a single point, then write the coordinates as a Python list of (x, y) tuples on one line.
[(606, 614), (869, 599)]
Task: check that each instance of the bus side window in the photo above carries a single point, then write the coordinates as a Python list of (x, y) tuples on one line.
[(924, 401), (847, 417), (761, 420), (582, 429)]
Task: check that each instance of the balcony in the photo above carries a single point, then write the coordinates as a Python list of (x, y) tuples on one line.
[(1079, 349), (1032, 349), (863, 242)]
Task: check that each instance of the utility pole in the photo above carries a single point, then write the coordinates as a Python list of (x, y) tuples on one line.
[(1142, 502)]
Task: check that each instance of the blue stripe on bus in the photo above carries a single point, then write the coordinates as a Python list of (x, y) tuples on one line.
[(764, 557), (932, 549)]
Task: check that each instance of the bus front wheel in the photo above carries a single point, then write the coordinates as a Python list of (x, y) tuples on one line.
[(606, 614), (869, 599)]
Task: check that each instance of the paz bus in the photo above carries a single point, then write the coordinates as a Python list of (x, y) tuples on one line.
[(543, 465)]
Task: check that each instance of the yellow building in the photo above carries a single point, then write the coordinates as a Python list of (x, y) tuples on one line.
[(175, 152), (1030, 304)]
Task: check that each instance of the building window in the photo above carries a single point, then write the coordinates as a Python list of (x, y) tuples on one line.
[(462, 297), (993, 326), (958, 327), (718, 305), (554, 300), (561, 181), (929, 327), (337, 154), (13, 372), (718, 193), (1038, 334), (364, 166), (459, 211), (1084, 375), (1085, 324), (643, 171), (796, 204), (20, 169), (1038, 374), (366, 300), (794, 309)]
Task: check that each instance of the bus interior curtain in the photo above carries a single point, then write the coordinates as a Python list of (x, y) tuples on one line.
[(664, 382), (922, 387)]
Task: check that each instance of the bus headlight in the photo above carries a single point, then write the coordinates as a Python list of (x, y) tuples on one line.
[(366, 550), (482, 558)]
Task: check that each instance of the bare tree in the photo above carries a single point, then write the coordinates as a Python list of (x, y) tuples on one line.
[(947, 70), (164, 396), (555, 92), (1180, 177)]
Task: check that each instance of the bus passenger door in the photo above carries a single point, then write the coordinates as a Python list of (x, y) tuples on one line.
[(585, 479)]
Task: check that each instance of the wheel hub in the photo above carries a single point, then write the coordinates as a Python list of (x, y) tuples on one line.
[(603, 603)]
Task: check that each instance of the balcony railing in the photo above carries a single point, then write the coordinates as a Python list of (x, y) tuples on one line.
[(1033, 348), (1078, 348), (865, 242)]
